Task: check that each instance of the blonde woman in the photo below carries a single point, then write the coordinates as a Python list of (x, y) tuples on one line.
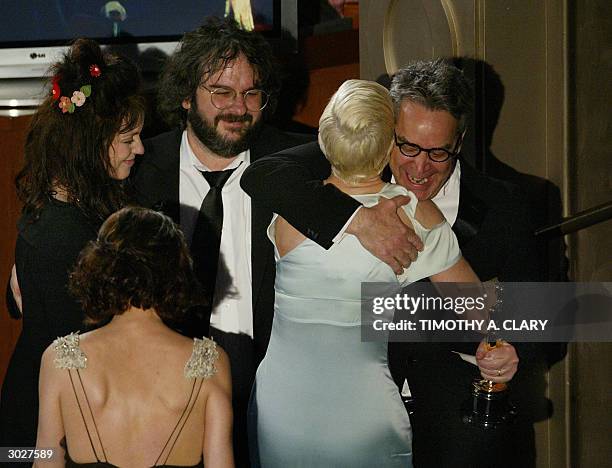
[(322, 396)]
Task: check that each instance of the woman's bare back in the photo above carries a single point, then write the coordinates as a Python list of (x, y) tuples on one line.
[(136, 388)]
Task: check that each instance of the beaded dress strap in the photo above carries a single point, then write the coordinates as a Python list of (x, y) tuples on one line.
[(69, 356), (200, 366)]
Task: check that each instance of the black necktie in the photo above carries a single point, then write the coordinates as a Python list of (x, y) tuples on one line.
[(207, 234)]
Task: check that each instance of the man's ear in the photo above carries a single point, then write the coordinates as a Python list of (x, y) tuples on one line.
[(186, 104)]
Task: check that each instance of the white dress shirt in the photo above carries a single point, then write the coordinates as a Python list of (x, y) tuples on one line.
[(234, 314), (447, 199)]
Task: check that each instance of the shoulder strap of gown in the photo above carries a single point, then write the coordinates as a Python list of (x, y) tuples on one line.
[(202, 360), (200, 366), (69, 356)]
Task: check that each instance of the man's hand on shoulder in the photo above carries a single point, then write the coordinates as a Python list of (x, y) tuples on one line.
[(384, 235)]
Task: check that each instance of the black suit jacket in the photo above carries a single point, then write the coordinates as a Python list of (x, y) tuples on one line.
[(156, 181), (496, 240), (493, 240)]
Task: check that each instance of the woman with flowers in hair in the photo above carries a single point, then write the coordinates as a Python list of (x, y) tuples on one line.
[(81, 146)]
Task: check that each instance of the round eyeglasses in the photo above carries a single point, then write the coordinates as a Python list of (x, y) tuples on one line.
[(222, 98), (412, 150)]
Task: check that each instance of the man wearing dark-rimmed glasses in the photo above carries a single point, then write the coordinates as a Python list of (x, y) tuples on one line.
[(432, 102), (412, 150), (217, 89)]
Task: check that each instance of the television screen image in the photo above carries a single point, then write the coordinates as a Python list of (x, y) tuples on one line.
[(61, 20)]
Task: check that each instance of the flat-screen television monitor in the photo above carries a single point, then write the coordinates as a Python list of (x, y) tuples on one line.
[(35, 32)]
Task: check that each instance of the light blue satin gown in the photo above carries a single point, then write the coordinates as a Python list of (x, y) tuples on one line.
[(323, 398)]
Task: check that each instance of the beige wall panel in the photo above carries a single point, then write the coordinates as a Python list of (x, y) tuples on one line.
[(591, 182), (394, 32), (592, 133), (515, 45), (590, 405)]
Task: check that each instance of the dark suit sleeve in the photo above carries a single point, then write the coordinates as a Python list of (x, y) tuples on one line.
[(155, 179), (290, 183), (145, 178)]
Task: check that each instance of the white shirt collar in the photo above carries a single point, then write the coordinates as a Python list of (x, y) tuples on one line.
[(447, 199)]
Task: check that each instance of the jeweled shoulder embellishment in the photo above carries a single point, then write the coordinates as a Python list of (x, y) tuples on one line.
[(68, 353), (202, 360)]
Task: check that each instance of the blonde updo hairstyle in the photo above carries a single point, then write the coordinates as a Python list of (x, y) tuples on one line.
[(356, 130)]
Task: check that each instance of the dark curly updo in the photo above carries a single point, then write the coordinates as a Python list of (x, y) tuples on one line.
[(139, 259), (69, 151)]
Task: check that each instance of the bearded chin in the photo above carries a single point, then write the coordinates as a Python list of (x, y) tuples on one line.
[(210, 137)]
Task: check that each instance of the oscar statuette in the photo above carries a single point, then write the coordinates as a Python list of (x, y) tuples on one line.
[(489, 405)]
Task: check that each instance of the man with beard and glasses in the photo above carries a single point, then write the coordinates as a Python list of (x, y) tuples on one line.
[(216, 88)]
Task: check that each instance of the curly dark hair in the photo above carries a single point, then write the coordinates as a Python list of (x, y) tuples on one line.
[(204, 52), (139, 259), (70, 151)]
